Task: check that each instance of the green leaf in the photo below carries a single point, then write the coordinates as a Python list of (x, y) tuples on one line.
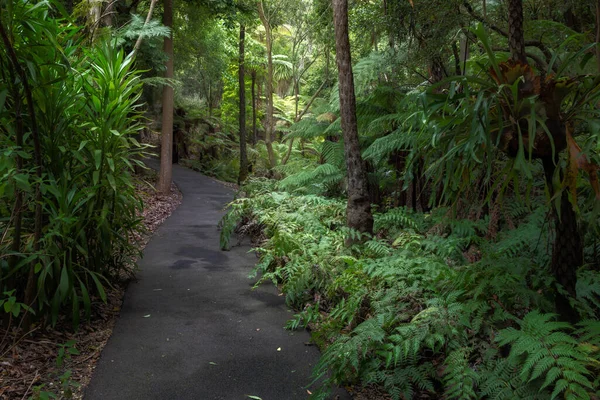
[(98, 158), (99, 286), (63, 286), (111, 180), (82, 144), (3, 94)]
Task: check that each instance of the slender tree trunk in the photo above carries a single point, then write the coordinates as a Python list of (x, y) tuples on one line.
[(298, 118), (18, 209), (138, 42), (241, 74), (253, 88), (166, 151), (30, 289), (598, 34), (108, 14), (358, 212), (516, 37), (269, 95), (455, 52)]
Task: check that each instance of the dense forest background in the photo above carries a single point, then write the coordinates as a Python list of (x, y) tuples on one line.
[(419, 177)]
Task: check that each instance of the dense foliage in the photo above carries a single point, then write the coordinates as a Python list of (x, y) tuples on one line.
[(68, 115), (480, 279), (475, 136), (428, 305)]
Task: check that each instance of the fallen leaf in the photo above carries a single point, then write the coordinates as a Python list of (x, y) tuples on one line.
[(279, 349), (213, 363), (147, 316), (253, 397)]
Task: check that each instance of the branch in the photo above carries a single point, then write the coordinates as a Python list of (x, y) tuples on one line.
[(138, 43), (299, 117), (312, 99)]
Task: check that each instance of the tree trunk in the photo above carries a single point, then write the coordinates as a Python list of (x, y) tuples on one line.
[(567, 251), (166, 156), (30, 290), (138, 42), (598, 34), (243, 154), (253, 86), (516, 37), (358, 212), (269, 95)]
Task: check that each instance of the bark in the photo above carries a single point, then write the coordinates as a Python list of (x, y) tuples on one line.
[(269, 128), (243, 175), (598, 34), (358, 212), (567, 251), (253, 86), (457, 68), (166, 151), (516, 36)]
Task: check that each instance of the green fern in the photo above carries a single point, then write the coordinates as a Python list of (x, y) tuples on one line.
[(460, 378), (543, 351)]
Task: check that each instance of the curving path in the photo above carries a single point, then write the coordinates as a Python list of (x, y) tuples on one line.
[(191, 328)]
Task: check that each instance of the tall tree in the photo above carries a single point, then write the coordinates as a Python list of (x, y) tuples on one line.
[(567, 252), (269, 128), (166, 151), (242, 116), (516, 37), (358, 212)]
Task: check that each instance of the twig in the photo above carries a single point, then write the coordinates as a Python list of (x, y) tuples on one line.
[(30, 385)]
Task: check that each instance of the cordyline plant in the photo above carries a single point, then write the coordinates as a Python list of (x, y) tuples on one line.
[(68, 116)]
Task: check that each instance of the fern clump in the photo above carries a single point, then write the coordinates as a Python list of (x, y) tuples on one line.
[(411, 310)]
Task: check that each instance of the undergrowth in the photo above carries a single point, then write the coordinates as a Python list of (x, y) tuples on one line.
[(428, 307)]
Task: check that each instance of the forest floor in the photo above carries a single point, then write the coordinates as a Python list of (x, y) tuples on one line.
[(28, 363)]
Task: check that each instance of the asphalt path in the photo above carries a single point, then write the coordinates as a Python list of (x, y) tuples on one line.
[(191, 327)]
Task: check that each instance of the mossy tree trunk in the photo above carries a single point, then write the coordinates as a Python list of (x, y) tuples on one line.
[(269, 128), (166, 156), (358, 212), (243, 175)]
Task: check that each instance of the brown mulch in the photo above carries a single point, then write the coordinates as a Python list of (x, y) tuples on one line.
[(28, 362)]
